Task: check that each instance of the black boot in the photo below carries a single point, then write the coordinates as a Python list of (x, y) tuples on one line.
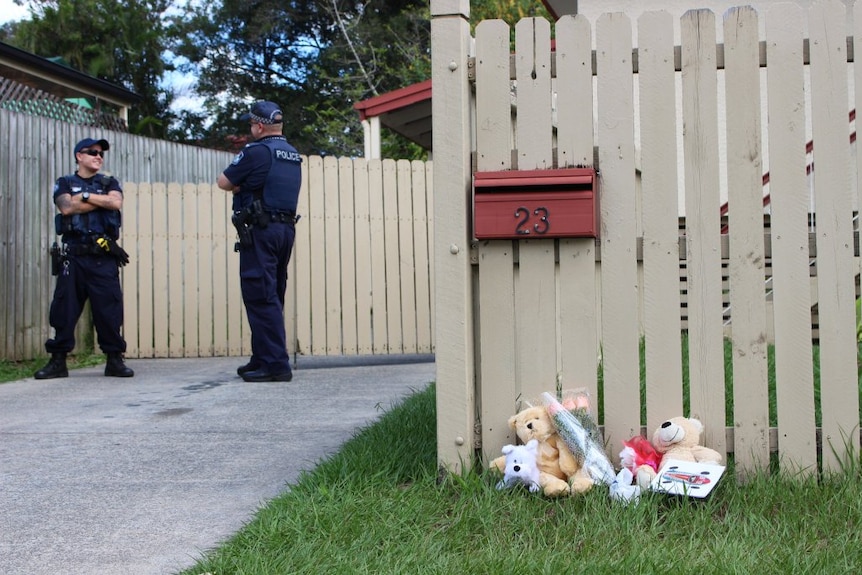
[(56, 367), (116, 368), (250, 366)]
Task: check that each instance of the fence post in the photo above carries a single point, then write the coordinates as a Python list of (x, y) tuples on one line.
[(451, 108)]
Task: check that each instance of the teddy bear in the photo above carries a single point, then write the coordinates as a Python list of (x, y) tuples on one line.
[(559, 471), (641, 459), (677, 438), (521, 466)]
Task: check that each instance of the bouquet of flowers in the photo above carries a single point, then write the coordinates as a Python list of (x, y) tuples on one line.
[(581, 436)]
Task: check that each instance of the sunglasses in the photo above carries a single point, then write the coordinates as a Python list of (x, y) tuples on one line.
[(99, 153)]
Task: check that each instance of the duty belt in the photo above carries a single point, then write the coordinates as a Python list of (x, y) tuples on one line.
[(283, 217), (84, 250)]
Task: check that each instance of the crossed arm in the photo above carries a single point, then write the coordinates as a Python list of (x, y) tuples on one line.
[(226, 184), (70, 205)]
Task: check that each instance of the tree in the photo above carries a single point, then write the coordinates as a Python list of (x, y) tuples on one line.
[(120, 41), (314, 57), (509, 10), (317, 58)]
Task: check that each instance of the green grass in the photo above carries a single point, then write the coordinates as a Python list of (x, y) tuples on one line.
[(380, 507), (15, 370)]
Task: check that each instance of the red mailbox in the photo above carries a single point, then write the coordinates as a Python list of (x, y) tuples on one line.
[(535, 204)]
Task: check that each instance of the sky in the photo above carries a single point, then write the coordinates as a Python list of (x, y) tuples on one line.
[(10, 11)]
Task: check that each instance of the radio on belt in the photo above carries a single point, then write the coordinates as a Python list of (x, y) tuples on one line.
[(536, 204)]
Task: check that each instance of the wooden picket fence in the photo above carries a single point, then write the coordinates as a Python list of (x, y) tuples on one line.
[(520, 314), (358, 283)]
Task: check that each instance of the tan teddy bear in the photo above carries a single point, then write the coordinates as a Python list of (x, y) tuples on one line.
[(678, 438), (560, 473)]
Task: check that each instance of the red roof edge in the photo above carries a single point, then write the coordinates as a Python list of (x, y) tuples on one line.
[(394, 100)]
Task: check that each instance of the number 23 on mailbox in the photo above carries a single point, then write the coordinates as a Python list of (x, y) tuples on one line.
[(536, 204)]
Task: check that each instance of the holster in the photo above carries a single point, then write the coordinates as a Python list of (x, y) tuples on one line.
[(244, 220), (259, 218), (56, 259), (241, 221)]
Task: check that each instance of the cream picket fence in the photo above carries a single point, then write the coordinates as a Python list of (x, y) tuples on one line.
[(358, 281), (521, 314)]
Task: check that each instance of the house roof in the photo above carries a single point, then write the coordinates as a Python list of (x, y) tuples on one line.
[(407, 111), (53, 78)]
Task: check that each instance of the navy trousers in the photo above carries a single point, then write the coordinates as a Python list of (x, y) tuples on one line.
[(96, 278), (263, 279)]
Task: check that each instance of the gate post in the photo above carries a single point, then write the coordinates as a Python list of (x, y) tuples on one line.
[(451, 110)]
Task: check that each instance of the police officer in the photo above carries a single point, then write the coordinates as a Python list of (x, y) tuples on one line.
[(88, 263), (265, 178)]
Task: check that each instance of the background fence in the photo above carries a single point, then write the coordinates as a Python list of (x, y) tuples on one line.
[(543, 309), (359, 279)]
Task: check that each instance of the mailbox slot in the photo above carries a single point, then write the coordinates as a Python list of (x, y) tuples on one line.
[(536, 204)]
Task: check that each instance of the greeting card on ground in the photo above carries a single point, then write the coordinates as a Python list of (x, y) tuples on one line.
[(689, 478)]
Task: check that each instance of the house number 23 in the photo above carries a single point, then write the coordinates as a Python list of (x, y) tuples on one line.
[(523, 215)]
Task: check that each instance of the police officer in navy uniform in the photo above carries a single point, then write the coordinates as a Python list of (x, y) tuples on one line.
[(88, 263), (265, 179)]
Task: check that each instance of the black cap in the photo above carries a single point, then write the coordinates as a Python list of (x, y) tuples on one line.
[(264, 112), (87, 142)]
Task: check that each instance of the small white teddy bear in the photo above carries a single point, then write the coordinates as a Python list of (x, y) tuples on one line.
[(521, 466)]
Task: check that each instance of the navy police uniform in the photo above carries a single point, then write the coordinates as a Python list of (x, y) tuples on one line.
[(87, 271), (268, 173)]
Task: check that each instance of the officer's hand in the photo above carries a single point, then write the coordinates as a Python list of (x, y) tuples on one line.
[(118, 252)]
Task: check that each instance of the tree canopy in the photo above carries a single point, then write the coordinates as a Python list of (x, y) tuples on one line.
[(316, 58)]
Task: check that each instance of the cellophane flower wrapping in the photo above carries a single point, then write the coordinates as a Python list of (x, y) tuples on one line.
[(581, 435)]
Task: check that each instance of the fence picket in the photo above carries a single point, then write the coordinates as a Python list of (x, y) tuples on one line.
[(146, 324), (700, 143), (422, 261), (364, 289), (222, 258), (835, 270), (579, 329), (347, 238), (317, 253), (331, 217), (499, 389), (393, 318), (747, 258), (620, 349), (406, 251), (300, 269), (794, 370), (659, 200), (535, 283), (176, 278), (129, 279), (378, 257), (207, 268), (574, 105), (189, 338), (161, 270)]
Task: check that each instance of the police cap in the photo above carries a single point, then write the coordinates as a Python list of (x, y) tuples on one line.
[(264, 112)]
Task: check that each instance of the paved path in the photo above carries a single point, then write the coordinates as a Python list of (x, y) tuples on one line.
[(139, 476)]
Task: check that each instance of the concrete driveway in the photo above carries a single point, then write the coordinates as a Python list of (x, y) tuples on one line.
[(139, 476)]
